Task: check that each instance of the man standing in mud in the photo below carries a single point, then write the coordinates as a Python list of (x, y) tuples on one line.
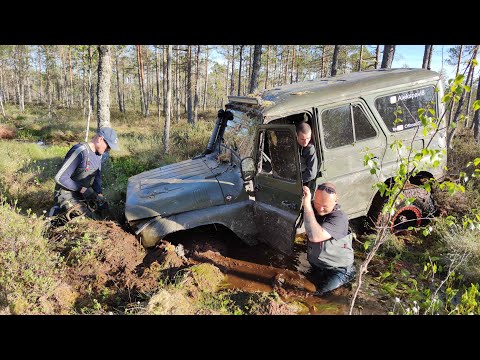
[(329, 243), (79, 182)]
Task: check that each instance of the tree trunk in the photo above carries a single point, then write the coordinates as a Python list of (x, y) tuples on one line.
[(123, 89), (89, 115), (377, 56), (84, 76), (388, 54), (426, 57), (197, 80), (268, 66), (293, 64), (333, 70), (360, 58), (459, 60), (228, 67), (205, 92), (157, 72), (462, 98), (189, 86), (177, 92), (322, 61), (71, 74), (40, 88), (297, 64), (119, 94), (476, 117), (240, 70), (103, 87), (140, 79), (166, 131), (47, 80), (450, 110), (257, 57), (469, 101), (287, 60), (164, 83), (146, 91), (1, 104), (232, 79)]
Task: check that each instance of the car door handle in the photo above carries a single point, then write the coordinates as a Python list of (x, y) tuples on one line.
[(289, 205)]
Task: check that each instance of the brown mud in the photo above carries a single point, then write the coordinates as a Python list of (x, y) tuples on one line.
[(117, 270)]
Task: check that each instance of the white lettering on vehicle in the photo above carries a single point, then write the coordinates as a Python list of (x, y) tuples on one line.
[(406, 126), (411, 95)]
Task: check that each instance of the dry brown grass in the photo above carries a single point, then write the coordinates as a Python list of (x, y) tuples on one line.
[(7, 132)]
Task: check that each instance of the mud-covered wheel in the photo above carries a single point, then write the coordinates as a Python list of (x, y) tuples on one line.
[(415, 214)]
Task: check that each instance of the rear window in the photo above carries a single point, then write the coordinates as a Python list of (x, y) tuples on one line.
[(399, 111)]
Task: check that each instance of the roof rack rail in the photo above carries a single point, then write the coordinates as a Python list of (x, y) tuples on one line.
[(244, 99)]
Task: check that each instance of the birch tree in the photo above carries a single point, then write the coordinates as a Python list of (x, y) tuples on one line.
[(103, 87)]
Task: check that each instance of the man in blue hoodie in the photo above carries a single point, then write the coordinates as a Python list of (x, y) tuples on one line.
[(79, 181)]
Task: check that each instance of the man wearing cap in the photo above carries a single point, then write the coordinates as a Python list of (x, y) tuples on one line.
[(79, 182), (329, 243)]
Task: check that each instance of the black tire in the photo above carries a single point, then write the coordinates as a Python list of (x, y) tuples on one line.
[(415, 214)]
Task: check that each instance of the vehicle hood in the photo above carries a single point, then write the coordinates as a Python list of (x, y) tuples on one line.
[(172, 189)]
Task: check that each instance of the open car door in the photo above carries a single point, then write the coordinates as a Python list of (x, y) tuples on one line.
[(278, 186)]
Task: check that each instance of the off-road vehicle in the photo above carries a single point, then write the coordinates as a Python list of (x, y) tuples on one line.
[(248, 179)]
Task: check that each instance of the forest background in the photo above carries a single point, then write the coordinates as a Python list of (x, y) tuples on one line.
[(162, 100)]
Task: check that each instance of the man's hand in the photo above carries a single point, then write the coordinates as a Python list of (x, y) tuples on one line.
[(101, 201), (89, 194), (307, 197)]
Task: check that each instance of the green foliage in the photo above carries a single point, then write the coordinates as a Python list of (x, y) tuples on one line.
[(455, 299), (28, 267), (458, 237)]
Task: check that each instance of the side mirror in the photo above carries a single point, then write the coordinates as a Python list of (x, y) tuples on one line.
[(248, 168)]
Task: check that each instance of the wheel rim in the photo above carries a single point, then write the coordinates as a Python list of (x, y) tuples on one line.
[(405, 217)]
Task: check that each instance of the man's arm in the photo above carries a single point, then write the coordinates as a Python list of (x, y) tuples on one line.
[(311, 162), (315, 232), (70, 164), (97, 182)]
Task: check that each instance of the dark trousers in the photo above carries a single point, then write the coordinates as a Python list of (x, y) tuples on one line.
[(72, 204), (331, 278)]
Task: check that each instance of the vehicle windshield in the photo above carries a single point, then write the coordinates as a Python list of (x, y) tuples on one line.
[(240, 133)]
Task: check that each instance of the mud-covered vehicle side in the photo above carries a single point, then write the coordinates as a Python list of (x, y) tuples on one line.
[(248, 178)]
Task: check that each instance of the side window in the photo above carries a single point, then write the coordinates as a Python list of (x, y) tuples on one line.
[(277, 154), (363, 129), (346, 125), (399, 110), (337, 127), (264, 161)]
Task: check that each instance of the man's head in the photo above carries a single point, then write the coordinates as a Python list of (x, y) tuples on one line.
[(304, 134), (105, 140), (325, 198)]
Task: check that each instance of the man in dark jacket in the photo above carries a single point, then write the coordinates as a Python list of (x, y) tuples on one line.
[(79, 181), (308, 155), (329, 244)]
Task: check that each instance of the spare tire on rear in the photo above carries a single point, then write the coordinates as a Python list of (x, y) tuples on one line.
[(414, 214)]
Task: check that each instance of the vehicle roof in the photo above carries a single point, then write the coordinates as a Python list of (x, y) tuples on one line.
[(279, 101)]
